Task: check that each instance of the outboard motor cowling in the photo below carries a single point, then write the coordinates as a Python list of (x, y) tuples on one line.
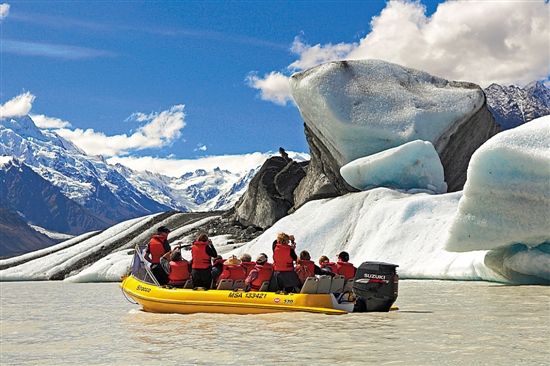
[(375, 286)]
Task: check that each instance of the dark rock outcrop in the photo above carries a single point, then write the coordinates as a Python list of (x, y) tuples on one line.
[(270, 194), (323, 179)]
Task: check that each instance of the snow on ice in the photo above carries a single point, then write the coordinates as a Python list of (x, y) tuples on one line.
[(385, 105)]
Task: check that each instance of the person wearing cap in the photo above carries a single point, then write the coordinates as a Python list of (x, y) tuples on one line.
[(345, 268), (202, 251), (232, 269), (283, 263), (157, 247), (261, 272)]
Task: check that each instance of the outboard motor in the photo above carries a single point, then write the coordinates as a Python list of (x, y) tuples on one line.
[(375, 286)]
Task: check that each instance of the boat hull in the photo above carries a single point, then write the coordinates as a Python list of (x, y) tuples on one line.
[(157, 299)]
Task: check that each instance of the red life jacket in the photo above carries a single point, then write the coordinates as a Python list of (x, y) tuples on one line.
[(346, 269), (201, 259), (305, 269), (333, 267), (179, 272), (248, 266), (156, 248), (265, 271), (282, 261), (233, 273)]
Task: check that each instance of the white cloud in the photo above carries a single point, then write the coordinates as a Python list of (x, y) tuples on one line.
[(200, 147), (18, 106), (41, 121), (176, 168), (160, 130), (4, 10), (274, 87), (52, 50), (503, 42), (315, 55)]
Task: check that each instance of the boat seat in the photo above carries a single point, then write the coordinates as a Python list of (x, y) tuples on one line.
[(264, 287), (239, 285), (225, 284), (337, 284), (188, 284), (324, 284), (348, 287), (310, 286)]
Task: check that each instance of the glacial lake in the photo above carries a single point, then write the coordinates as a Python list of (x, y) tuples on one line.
[(439, 323)]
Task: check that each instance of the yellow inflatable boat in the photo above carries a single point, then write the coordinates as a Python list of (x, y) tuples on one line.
[(140, 285), (156, 299)]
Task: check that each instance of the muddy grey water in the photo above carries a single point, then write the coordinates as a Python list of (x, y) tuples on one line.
[(439, 323)]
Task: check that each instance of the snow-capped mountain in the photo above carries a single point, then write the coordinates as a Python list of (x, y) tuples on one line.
[(111, 193), (512, 106)]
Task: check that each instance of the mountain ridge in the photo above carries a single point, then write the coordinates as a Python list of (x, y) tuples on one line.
[(513, 106), (53, 184)]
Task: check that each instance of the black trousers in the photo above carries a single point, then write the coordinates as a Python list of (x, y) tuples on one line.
[(160, 274), (202, 277)]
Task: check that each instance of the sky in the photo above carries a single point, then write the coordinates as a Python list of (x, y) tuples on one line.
[(154, 82)]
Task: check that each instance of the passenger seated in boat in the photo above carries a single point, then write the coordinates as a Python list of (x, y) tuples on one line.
[(246, 262), (261, 272), (157, 247), (327, 265), (306, 267), (284, 256), (345, 268), (232, 269), (217, 268), (202, 251), (178, 269)]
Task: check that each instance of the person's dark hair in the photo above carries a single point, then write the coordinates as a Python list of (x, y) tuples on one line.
[(344, 256), (203, 237), (163, 229), (175, 256), (304, 255)]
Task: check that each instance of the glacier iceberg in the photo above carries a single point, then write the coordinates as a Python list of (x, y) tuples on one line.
[(507, 193), (411, 165)]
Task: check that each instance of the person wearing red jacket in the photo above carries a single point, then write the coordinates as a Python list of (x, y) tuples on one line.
[(345, 268), (261, 272), (284, 255), (232, 270), (158, 246), (327, 265), (312, 269), (202, 251), (246, 263), (177, 268)]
